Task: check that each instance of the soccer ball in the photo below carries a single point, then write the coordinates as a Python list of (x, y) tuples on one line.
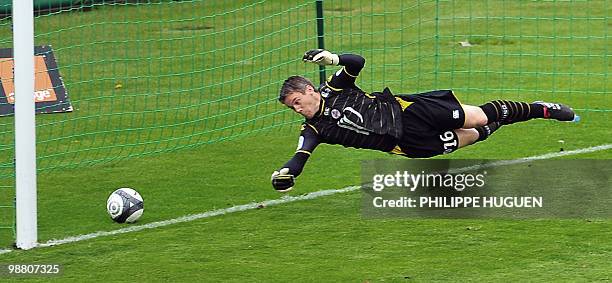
[(125, 205)]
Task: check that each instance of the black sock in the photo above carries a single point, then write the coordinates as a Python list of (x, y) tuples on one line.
[(485, 131), (508, 112)]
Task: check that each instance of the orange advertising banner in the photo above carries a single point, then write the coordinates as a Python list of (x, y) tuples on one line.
[(49, 91), (43, 89)]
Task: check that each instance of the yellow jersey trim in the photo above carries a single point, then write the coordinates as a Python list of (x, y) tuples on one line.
[(333, 88), (322, 105), (344, 69), (313, 128), (303, 151), (397, 150), (403, 103)]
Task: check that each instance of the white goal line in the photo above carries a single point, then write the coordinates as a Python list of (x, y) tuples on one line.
[(282, 200)]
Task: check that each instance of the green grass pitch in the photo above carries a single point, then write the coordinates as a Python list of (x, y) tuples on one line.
[(324, 239)]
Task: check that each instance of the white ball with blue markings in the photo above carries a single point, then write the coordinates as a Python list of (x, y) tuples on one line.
[(125, 205)]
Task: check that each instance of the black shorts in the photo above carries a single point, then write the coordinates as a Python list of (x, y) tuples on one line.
[(429, 122)]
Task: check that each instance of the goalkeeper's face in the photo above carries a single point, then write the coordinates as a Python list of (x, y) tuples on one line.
[(305, 103)]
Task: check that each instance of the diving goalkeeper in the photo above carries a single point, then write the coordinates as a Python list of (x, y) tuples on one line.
[(415, 125)]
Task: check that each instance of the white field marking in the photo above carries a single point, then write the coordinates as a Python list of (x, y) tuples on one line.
[(282, 200), (192, 217), (532, 158)]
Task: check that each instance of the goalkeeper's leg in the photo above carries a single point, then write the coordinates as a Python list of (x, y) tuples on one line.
[(508, 112), (470, 136), (487, 118)]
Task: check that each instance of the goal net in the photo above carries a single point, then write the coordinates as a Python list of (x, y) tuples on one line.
[(151, 77)]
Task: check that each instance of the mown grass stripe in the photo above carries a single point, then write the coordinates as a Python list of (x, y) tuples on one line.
[(282, 200)]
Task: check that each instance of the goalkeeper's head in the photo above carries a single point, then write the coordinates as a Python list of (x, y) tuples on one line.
[(299, 94)]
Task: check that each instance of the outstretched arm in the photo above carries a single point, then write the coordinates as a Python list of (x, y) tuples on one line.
[(284, 179), (343, 78), (352, 63)]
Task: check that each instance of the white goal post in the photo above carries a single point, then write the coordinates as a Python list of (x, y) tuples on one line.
[(25, 124)]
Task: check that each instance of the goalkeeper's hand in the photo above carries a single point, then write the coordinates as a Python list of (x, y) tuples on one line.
[(282, 181), (321, 57)]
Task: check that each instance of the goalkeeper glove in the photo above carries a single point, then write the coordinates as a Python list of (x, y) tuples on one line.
[(321, 57), (282, 181)]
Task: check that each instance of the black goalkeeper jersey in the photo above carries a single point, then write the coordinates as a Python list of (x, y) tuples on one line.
[(349, 116), (353, 118)]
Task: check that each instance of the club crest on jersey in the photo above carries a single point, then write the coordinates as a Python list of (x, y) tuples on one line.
[(335, 113)]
